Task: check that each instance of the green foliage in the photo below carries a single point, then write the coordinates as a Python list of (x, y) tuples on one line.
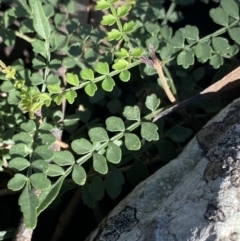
[(94, 74)]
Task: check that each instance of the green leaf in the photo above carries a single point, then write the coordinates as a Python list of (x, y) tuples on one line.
[(166, 150), (185, 58), (59, 19), (72, 25), (54, 64), (63, 158), (198, 74), (87, 74), (46, 139), (216, 61), (17, 182), (233, 50), (69, 62), (36, 79), (132, 113), (166, 52), (152, 28), (114, 153), (22, 137), (166, 32), (132, 142), (114, 124), (231, 8), (108, 19), (220, 45), (40, 181), (72, 79), (102, 68), (234, 34), (54, 170), (40, 21), (18, 163), (87, 198), (71, 95), (82, 146), (108, 84), (177, 41), (137, 172), (90, 89), (58, 99), (137, 52), (39, 63), (53, 80), (75, 50), (50, 194), (79, 175), (149, 131), (29, 127), (20, 150), (43, 152), (113, 183), (40, 166), (179, 133), (123, 53), (98, 134), (97, 189), (114, 35), (219, 16), (152, 102), (8, 36), (190, 32), (129, 27), (7, 86), (123, 10), (100, 163), (48, 10), (54, 89), (120, 64), (102, 5), (203, 52), (39, 46), (29, 203), (125, 75)]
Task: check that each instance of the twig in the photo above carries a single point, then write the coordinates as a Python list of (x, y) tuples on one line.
[(157, 64)]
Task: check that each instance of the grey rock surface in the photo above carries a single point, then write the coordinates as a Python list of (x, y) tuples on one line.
[(196, 197)]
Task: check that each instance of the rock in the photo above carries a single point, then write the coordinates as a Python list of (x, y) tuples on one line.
[(195, 197)]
